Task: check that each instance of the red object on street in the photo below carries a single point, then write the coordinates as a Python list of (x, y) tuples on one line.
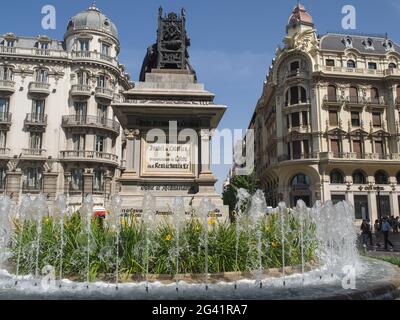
[(100, 213)]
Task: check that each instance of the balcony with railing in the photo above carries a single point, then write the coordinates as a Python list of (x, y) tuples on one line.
[(34, 153), (94, 56), (5, 120), (344, 71), (377, 102), (5, 153), (81, 91), (298, 73), (104, 93), (7, 87), (35, 122), (355, 101), (357, 156), (77, 121), (89, 156), (39, 88), (333, 100)]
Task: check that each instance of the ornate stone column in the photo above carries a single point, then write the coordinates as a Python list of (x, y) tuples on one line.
[(205, 150)]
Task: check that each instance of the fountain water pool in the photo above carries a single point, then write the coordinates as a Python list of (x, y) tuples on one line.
[(341, 273)]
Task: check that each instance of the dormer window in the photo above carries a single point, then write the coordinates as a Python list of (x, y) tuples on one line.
[(388, 45), (368, 44), (43, 45), (348, 42), (10, 43), (330, 62), (392, 65)]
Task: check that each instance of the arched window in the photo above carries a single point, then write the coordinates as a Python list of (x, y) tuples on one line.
[(392, 65), (332, 97), (374, 95), (351, 64), (300, 181), (296, 95), (353, 94), (359, 177), (337, 177), (6, 73), (381, 177)]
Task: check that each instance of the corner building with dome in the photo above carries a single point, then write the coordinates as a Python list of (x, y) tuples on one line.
[(58, 132), (327, 125)]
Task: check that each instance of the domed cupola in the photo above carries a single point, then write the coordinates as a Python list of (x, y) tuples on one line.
[(299, 20), (92, 20)]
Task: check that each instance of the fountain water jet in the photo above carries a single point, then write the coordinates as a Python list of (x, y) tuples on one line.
[(206, 207), (60, 212), (114, 219), (87, 216), (178, 221), (39, 209), (148, 220)]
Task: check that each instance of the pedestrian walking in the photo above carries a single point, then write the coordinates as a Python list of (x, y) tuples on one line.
[(386, 231)]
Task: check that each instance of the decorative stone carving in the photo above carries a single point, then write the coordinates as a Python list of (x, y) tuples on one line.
[(131, 134)]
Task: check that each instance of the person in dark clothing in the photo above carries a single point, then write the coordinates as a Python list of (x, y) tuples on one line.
[(385, 231), (364, 233)]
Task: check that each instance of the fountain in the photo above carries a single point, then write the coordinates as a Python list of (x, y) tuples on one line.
[(284, 253), (179, 220), (60, 213)]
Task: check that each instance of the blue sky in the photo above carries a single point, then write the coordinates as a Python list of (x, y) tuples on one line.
[(233, 42)]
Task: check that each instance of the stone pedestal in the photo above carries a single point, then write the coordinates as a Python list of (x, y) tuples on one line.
[(168, 121)]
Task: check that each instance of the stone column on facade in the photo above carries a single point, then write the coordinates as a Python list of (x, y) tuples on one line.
[(394, 200), (50, 185), (67, 182), (132, 137), (88, 182), (373, 206)]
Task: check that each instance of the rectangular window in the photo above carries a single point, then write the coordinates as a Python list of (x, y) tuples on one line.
[(338, 198), (42, 76), (379, 148), (105, 49), (357, 148), (296, 119), (305, 118), (77, 180), (4, 105), (100, 144), (288, 121), (79, 142), (3, 139), (38, 107), (384, 207), (84, 45), (330, 62), (355, 119), (372, 66), (33, 179), (35, 140), (361, 207), (2, 179), (98, 181), (306, 148), (335, 148), (377, 119), (333, 118), (102, 111), (80, 112), (297, 150)]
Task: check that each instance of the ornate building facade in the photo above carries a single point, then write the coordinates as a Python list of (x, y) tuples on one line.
[(58, 132), (328, 123)]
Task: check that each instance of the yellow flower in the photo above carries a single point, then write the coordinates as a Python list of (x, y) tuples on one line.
[(168, 237), (47, 220), (197, 229), (212, 222), (274, 244)]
